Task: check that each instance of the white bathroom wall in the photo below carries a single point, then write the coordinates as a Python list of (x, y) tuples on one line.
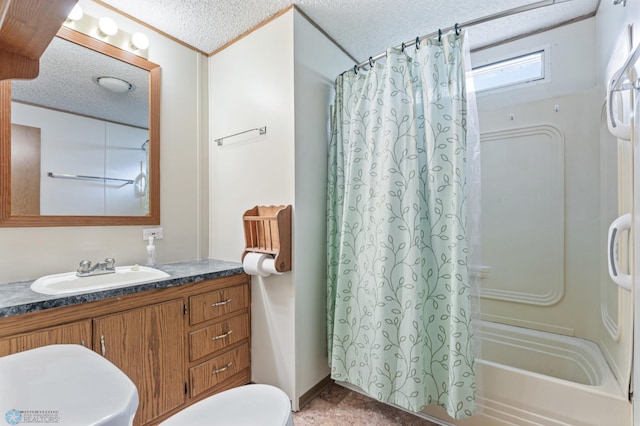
[(281, 76), (26, 253), (251, 85), (317, 63)]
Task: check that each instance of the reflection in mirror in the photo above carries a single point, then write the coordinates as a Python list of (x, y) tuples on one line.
[(83, 141), (70, 125)]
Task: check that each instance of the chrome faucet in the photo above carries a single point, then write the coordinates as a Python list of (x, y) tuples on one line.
[(107, 267)]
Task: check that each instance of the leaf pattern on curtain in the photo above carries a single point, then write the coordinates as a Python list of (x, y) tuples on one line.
[(399, 302)]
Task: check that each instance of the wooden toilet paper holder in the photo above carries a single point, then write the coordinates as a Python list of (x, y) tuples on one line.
[(267, 229)]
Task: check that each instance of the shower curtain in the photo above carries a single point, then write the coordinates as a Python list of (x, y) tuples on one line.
[(399, 293)]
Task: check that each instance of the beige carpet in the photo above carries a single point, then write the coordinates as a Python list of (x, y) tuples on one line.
[(337, 406)]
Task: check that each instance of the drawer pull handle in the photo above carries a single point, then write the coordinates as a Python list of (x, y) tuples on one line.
[(220, 370), (222, 336), (221, 303), (103, 346)]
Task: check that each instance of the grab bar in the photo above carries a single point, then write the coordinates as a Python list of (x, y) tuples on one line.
[(616, 83), (83, 177), (622, 223)]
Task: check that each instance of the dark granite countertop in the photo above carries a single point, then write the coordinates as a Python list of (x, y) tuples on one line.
[(18, 298)]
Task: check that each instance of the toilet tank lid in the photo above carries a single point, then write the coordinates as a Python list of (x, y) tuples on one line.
[(70, 381)]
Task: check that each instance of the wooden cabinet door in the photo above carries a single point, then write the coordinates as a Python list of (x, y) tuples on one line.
[(148, 345), (74, 333), (25, 169)]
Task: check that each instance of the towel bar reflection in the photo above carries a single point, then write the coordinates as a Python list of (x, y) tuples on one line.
[(83, 177), (262, 130)]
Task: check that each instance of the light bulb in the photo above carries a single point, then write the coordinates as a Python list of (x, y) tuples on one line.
[(76, 13), (139, 41), (107, 26)]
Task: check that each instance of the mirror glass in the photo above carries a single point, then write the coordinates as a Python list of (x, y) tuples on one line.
[(82, 145)]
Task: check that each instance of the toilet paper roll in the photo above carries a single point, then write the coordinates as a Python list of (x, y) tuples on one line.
[(259, 264), (269, 266), (252, 264)]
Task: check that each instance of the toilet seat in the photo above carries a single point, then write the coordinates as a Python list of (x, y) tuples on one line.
[(255, 404)]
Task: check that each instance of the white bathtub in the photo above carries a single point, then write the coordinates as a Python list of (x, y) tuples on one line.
[(532, 377)]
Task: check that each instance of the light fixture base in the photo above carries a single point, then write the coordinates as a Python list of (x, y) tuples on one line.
[(114, 84)]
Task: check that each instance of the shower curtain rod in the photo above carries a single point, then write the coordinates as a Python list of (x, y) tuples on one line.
[(503, 14)]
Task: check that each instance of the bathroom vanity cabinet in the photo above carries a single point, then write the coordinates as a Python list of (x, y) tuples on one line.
[(145, 344), (178, 344), (218, 320)]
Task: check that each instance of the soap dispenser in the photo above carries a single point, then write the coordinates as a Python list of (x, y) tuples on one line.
[(151, 253)]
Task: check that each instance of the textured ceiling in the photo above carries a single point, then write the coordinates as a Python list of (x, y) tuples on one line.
[(362, 27)]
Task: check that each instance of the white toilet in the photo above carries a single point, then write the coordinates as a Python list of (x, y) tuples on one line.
[(65, 384), (72, 385), (247, 405)]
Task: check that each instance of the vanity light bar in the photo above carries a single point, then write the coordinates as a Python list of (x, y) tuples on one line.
[(106, 30)]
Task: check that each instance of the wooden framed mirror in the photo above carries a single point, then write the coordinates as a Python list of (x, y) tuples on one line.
[(126, 180)]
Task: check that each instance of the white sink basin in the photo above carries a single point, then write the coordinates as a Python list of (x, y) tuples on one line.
[(70, 283)]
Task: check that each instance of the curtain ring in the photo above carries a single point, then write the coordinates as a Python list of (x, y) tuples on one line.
[(457, 29), (403, 46), (371, 62), (439, 35), (417, 43), (355, 69)]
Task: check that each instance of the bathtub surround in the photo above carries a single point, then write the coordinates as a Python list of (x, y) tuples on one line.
[(559, 123), (399, 293), (532, 377), (612, 30)]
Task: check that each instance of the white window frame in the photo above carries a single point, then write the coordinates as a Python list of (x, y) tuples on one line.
[(546, 69)]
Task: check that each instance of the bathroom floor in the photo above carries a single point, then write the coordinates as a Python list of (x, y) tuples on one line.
[(337, 406)]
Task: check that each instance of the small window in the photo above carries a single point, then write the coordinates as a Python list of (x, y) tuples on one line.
[(510, 72)]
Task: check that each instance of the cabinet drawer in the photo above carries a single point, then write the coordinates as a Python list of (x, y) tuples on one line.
[(217, 336), (217, 303), (216, 371)]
